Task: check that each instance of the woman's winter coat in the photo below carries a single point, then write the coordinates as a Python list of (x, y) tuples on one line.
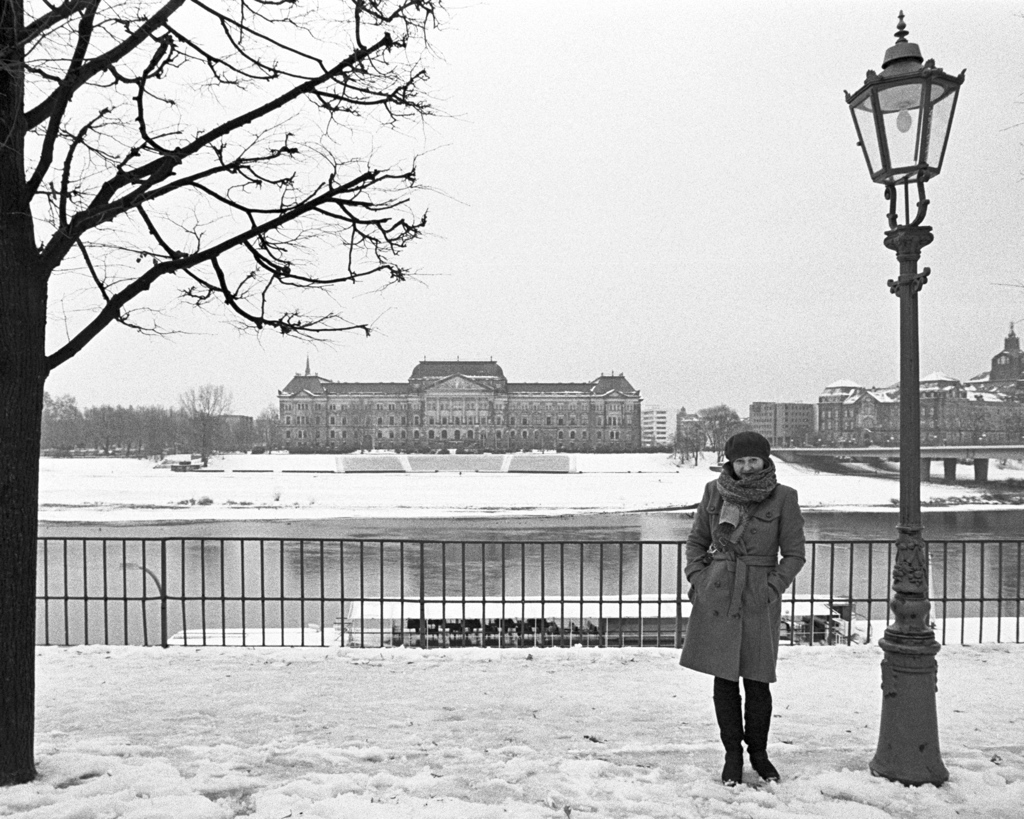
[(737, 595)]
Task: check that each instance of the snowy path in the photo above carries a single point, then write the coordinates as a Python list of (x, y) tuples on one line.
[(271, 733)]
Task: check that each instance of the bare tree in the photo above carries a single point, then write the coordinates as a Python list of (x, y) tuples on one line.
[(268, 431), (203, 412), (719, 423), (154, 152)]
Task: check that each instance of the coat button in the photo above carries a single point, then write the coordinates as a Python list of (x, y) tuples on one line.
[(753, 529)]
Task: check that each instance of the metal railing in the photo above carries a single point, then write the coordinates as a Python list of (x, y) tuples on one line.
[(269, 592)]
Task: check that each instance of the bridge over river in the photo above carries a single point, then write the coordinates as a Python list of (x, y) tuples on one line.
[(949, 455)]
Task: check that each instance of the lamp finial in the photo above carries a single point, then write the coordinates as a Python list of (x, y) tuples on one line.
[(901, 30)]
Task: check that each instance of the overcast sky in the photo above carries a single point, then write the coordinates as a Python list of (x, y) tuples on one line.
[(670, 190)]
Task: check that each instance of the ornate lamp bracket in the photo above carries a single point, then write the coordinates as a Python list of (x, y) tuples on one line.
[(922, 205)]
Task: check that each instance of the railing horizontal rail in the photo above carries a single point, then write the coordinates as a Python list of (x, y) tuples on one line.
[(320, 592)]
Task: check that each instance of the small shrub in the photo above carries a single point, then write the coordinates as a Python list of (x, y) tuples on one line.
[(204, 501)]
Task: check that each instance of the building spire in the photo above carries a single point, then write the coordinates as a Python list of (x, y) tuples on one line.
[(307, 363)]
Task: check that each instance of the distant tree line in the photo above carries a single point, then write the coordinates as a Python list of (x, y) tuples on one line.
[(201, 424)]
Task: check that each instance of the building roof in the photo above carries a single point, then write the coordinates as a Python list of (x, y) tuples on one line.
[(841, 384), (443, 369), (310, 384), (938, 377)]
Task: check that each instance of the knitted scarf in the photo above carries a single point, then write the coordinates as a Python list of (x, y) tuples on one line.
[(738, 493)]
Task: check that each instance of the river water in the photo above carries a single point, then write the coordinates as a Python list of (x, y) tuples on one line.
[(226, 573)]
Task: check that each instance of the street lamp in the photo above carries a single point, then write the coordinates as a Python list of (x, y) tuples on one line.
[(903, 117)]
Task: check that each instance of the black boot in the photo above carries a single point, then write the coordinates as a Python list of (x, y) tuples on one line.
[(758, 719), (729, 713)]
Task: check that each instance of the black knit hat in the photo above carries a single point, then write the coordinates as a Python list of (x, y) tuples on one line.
[(747, 445)]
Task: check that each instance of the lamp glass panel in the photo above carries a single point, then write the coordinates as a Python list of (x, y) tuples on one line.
[(941, 117), (902, 125), (906, 95), (864, 120)]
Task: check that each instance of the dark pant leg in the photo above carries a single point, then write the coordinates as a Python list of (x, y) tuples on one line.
[(757, 714), (728, 710)]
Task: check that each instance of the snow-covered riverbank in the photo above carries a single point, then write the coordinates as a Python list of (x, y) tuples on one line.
[(111, 489), (133, 733)]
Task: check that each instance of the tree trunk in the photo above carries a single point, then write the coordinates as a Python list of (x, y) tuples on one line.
[(23, 365), (23, 371)]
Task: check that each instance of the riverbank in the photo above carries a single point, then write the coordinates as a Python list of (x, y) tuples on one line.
[(489, 734), (306, 487)]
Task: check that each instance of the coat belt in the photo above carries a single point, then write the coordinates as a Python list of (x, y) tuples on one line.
[(738, 566)]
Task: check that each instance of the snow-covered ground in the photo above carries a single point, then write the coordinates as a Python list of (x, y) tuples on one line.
[(109, 489), (134, 733)]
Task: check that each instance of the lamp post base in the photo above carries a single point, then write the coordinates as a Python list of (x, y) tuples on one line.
[(908, 742)]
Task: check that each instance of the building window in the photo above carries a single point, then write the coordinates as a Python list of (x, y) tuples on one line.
[(430, 434), (458, 434), (287, 433), (416, 434), (444, 435)]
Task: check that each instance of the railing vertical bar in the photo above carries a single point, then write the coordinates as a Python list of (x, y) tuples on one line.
[(302, 595), (145, 594), (561, 592), (423, 602), (323, 595), (678, 644), (981, 592), (945, 589), (184, 596), (483, 593), (963, 593), (280, 583), (223, 595), (999, 594), (380, 620), (522, 595), (263, 589), (601, 623), (504, 601), (362, 592), (106, 598), (401, 586), (341, 589), (241, 589), (622, 591), (46, 591), (85, 589), (640, 593)]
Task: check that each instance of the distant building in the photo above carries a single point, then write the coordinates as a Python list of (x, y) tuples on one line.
[(782, 424), (464, 405), (951, 413), (1006, 375), (655, 430)]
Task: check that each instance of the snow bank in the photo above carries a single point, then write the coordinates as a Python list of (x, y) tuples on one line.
[(482, 733), (108, 489)]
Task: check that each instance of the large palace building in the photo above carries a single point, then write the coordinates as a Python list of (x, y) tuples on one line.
[(468, 406)]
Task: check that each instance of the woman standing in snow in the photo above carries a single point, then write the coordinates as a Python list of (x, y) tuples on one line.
[(745, 521)]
